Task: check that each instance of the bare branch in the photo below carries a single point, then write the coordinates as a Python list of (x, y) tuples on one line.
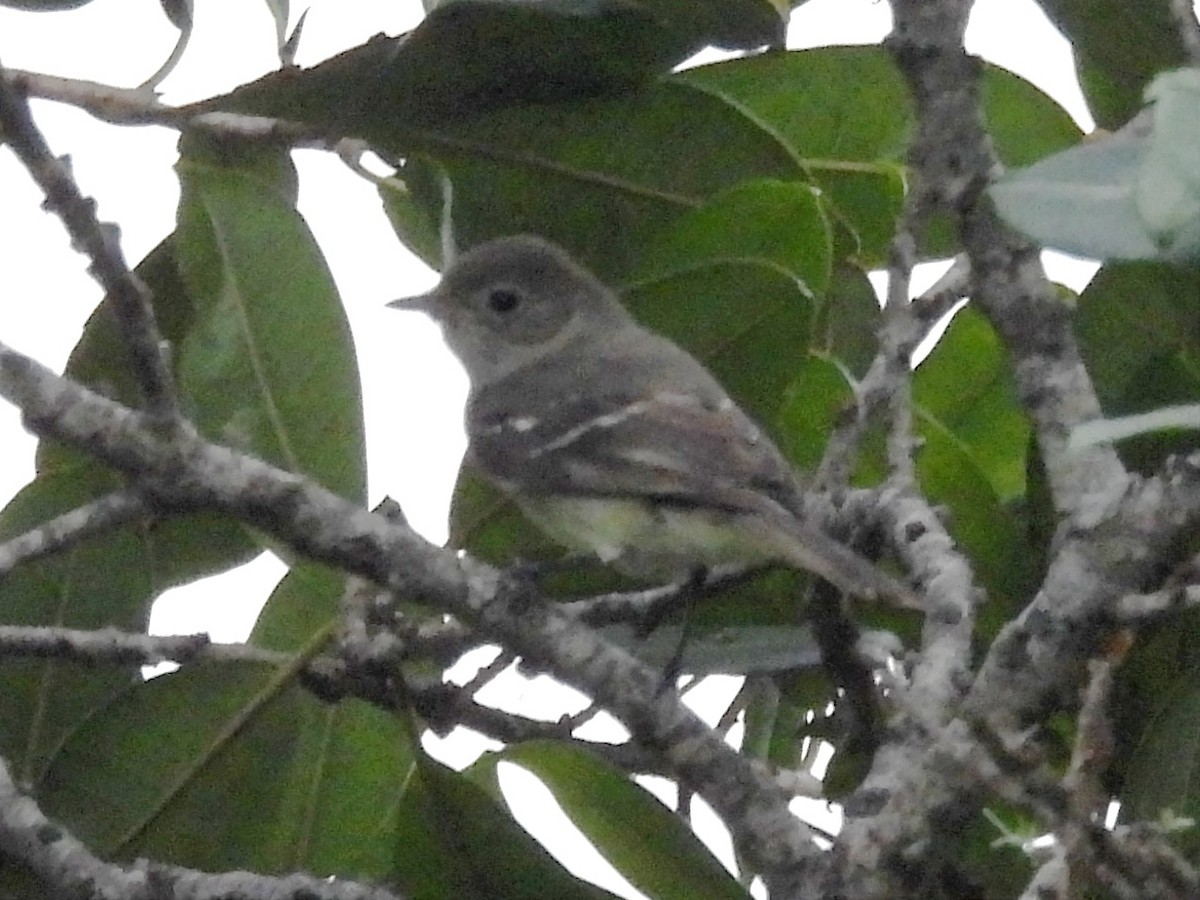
[(115, 647), (100, 241), (71, 527), (141, 106)]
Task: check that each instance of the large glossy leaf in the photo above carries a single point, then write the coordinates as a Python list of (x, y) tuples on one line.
[(184, 547), (591, 174), (102, 581), (966, 385), (812, 100), (847, 328), (989, 533), (300, 608), (234, 766), (471, 56), (237, 766), (643, 839), (270, 366), (455, 842), (775, 222), (811, 406), (976, 437), (100, 360)]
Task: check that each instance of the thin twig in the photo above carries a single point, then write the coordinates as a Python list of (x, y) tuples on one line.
[(112, 646), (898, 340), (650, 604), (903, 334), (71, 527), (141, 106), (100, 241)]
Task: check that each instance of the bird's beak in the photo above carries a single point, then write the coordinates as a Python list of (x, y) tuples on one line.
[(420, 302)]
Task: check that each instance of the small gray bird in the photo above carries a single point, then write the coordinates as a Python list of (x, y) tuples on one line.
[(612, 439)]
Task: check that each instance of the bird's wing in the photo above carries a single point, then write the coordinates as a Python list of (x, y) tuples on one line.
[(678, 448)]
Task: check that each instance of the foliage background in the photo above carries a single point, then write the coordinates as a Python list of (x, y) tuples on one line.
[(664, 232)]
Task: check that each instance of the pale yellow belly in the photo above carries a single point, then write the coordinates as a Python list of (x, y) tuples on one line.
[(665, 542)]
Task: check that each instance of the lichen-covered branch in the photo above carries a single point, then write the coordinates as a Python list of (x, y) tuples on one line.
[(180, 471), (111, 646), (100, 241), (66, 530)]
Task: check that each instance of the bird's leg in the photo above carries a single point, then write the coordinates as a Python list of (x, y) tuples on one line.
[(688, 592)]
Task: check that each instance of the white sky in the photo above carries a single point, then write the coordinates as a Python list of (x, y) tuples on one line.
[(412, 389)]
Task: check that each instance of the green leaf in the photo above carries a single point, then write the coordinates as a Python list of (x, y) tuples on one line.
[(973, 458), (848, 321), (474, 56), (767, 221), (183, 547), (302, 605), (1139, 334), (966, 385), (1025, 122), (454, 842), (100, 360), (812, 101), (1162, 773), (643, 839), (186, 547), (418, 225), (749, 323), (812, 405), (591, 175), (988, 532), (102, 581), (270, 365), (807, 100), (222, 766)]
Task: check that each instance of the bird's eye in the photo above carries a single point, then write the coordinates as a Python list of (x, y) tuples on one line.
[(502, 300)]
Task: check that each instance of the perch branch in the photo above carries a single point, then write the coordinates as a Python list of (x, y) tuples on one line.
[(182, 471)]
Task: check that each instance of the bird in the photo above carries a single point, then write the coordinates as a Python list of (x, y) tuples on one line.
[(612, 439)]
